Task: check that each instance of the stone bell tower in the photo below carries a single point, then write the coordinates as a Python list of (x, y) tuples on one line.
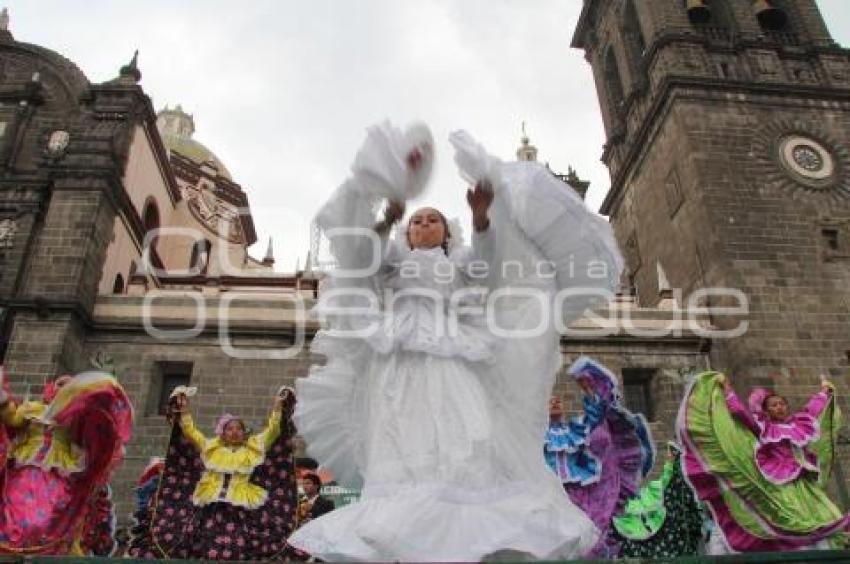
[(728, 146)]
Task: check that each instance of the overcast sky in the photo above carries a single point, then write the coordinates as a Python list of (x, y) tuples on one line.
[(282, 90)]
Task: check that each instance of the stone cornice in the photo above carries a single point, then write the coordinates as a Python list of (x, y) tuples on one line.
[(693, 343), (45, 308), (272, 280)]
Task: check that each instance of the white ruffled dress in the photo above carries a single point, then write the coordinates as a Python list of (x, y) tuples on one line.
[(434, 400)]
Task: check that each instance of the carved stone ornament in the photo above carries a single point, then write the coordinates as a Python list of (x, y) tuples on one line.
[(802, 161), (8, 229), (213, 214), (57, 143)]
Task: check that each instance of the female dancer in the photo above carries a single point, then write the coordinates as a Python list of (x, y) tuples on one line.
[(762, 470), (433, 400), (609, 451), (665, 520), (56, 458), (229, 497)]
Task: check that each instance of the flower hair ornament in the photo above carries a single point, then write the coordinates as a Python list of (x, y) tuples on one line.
[(756, 400), (224, 420)]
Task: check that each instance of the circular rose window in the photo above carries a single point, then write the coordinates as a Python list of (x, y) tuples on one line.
[(806, 158), (801, 160)]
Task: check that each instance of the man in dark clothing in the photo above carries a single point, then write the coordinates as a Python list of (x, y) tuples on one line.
[(314, 504)]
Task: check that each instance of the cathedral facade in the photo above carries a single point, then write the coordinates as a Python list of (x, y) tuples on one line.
[(123, 239)]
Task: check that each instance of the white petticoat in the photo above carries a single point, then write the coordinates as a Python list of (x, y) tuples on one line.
[(438, 486)]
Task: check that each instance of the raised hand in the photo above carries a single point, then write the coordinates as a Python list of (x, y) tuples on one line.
[(284, 399), (393, 212), (479, 198), (414, 159)]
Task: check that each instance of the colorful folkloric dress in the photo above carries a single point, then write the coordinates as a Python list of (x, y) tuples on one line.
[(764, 481), (664, 520), (609, 452), (425, 402), (146, 488), (58, 456), (216, 502), (564, 450)]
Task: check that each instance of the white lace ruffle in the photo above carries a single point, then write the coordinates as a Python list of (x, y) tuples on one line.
[(429, 522)]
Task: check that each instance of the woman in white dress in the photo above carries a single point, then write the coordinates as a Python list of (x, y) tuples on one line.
[(440, 362)]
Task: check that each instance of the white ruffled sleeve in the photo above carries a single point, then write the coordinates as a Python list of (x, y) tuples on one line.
[(541, 238), (542, 231)]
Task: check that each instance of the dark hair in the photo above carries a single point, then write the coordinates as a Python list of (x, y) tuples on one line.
[(445, 244), (313, 478), (769, 396)]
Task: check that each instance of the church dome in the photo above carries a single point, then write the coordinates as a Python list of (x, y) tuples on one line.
[(176, 128)]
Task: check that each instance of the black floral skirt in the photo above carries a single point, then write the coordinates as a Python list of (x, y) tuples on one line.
[(681, 534), (171, 526)]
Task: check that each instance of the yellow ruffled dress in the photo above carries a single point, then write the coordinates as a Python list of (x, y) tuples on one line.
[(61, 453), (239, 462)]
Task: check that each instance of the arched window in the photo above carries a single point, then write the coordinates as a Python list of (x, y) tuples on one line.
[(712, 18), (150, 218), (699, 11), (150, 215), (613, 85), (118, 285), (775, 19), (200, 257), (634, 44)]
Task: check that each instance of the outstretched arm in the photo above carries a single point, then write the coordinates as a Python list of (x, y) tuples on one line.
[(737, 407), (186, 424), (818, 402), (283, 405)]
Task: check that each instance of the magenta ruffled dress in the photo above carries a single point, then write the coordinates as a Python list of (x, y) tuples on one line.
[(782, 453)]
